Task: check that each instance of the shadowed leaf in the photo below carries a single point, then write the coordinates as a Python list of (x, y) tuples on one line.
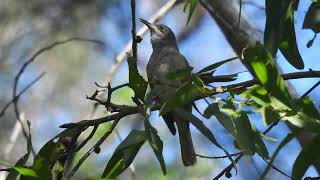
[(308, 155), (156, 144), (124, 154), (136, 81)]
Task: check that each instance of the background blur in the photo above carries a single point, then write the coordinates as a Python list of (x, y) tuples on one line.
[(71, 70)]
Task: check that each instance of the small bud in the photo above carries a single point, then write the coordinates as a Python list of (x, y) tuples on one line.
[(97, 150), (228, 174), (309, 44), (138, 39)]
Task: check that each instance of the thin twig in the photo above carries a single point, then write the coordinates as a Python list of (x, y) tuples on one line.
[(218, 157), (310, 90), (84, 142), (133, 31), (20, 93), (277, 169), (97, 145)]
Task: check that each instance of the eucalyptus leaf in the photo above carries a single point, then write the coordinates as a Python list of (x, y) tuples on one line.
[(124, 154), (191, 5), (216, 65), (308, 156), (225, 120), (312, 18), (136, 81), (284, 142), (155, 143), (280, 32)]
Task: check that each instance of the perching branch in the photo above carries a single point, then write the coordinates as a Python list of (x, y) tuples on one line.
[(124, 110)]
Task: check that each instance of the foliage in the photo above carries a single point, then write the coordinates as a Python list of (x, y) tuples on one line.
[(268, 95)]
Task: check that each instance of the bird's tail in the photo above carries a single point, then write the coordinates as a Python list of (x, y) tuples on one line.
[(187, 150)]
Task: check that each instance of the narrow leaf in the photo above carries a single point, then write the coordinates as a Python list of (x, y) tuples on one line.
[(224, 119), (216, 65), (191, 5), (124, 154), (288, 45), (156, 144), (308, 155), (26, 172), (136, 81), (284, 142)]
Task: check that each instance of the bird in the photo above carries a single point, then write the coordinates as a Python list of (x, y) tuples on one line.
[(165, 59)]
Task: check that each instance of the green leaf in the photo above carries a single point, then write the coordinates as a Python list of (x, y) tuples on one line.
[(284, 142), (275, 15), (26, 172), (191, 4), (216, 65), (267, 73), (280, 32), (312, 18), (13, 174), (244, 133), (136, 81), (184, 95), (224, 119), (201, 127), (308, 156), (302, 120), (156, 144), (307, 106), (124, 154), (46, 158), (258, 94), (288, 45), (269, 115)]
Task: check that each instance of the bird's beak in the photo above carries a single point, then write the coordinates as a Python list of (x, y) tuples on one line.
[(151, 27)]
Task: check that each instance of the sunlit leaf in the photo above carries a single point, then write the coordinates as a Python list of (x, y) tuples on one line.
[(124, 154), (267, 73), (26, 172), (308, 156)]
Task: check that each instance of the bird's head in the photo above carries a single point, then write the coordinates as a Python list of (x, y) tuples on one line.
[(160, 34)]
